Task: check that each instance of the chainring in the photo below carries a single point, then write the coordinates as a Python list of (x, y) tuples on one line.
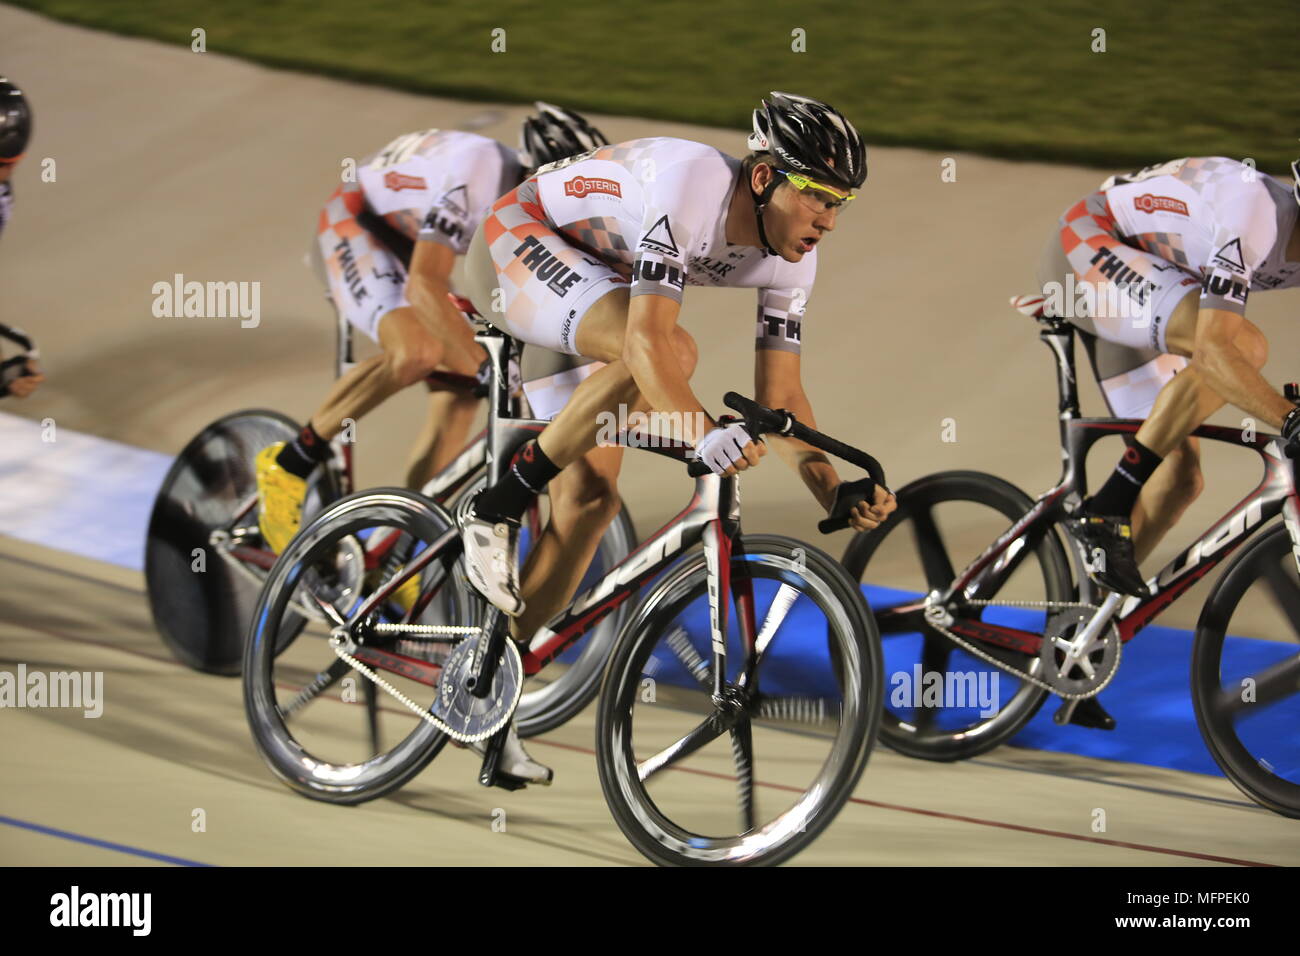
[(471, 718), (1093, 669)]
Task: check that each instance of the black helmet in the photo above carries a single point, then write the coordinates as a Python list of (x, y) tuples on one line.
[(810, 137), (554, 134), (15, 122)]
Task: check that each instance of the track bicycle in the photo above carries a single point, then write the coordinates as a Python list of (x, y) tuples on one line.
[(788, 661), (1015, 611)]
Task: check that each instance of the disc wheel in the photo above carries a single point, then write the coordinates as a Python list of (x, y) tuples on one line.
[(201, 605)]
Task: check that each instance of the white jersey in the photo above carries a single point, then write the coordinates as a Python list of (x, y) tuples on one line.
[(438, 184), (1215, 218), (655, 211)]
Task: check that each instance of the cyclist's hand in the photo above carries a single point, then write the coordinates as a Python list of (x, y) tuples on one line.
[(729, 449), (852, 505), (1291, 434), (864, 517), (25, 381)]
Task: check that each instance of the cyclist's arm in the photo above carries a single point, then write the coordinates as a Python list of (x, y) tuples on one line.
[(778, 384), (651, 358), (1226, 370), (1244, 233), (427, 285)]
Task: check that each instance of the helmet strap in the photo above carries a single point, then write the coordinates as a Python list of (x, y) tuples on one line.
[(760, 203)]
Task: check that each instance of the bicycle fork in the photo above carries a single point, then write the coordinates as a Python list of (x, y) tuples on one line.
[(721, 539)]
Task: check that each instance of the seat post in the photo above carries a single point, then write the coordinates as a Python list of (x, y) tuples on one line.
[(1059, 336), (497, 345)]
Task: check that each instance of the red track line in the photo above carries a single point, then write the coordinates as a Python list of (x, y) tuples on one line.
[(977, 821)]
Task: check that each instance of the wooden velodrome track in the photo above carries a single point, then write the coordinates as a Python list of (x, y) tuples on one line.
[(172, 162)]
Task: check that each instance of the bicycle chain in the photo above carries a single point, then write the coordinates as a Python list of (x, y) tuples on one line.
[(1002, 665), (336, 644)]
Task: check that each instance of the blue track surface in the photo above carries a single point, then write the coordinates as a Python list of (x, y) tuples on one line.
[(1150, 697)]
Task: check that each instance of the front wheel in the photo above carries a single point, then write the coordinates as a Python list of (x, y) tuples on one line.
[(944, 703), (773, 763), (1246, 673)]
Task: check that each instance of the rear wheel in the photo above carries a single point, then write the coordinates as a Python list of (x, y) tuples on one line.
[(202, 603), (1246, 673), (324, 728), (943, 703)]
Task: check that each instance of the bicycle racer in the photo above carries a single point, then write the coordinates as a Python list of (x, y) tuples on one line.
[(1166, 258), (592, 255), (387, 244)]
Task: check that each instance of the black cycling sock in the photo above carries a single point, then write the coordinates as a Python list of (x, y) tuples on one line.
[(304, 453), (1120, 492), (529, 472)]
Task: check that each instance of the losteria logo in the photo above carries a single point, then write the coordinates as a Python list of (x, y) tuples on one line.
[(579, 186), (1152, 203)]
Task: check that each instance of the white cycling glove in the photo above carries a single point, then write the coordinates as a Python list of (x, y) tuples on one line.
[(723, 447)]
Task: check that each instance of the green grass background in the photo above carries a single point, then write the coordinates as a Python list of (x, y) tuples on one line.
[(1018, 80)]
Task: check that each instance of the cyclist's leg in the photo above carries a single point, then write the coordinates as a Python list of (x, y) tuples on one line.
[(409, 354), (1131, 380), (584, 500), (1123, 298), (365, 284), (445, 432), (1185, 402), (548, 293)]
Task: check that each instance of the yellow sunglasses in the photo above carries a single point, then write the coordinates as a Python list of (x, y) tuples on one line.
[(803, 183)]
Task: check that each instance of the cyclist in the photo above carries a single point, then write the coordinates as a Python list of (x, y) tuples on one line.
[(1163, 260), (591, 256), (387, 244), (19, 375)]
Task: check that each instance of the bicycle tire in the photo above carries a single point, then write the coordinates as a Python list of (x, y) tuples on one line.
[(1218, 712), (203, 617), (921, 496), (276, 741), (850, 634)]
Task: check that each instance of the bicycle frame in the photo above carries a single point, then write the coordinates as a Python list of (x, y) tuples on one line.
[(1276, 493), (461, 471)]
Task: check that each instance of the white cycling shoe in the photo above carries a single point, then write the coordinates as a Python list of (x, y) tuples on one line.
[(492, 558), (515, 760)]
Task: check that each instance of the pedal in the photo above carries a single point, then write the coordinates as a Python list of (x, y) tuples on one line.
[(1084, 713), (505, 781), (489, 774)]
